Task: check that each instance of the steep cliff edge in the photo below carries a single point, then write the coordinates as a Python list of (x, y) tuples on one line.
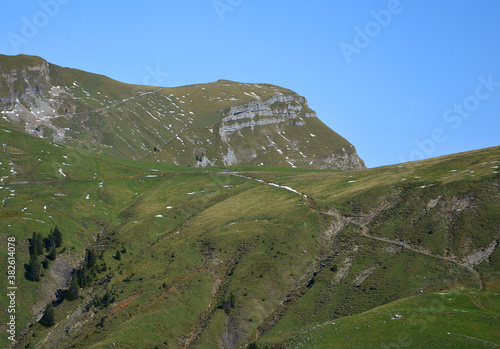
[(216, 124)]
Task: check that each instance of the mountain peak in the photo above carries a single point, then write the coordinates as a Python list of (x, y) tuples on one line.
[(213, 124)]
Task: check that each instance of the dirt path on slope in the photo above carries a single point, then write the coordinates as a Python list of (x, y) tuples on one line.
[(365, 233), (110, 106), (74, 180)]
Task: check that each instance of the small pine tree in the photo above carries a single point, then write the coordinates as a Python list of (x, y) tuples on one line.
[(97, 301), (83, 277), (53, 253), (34, 269), (90, 258), (32, 247), (73, 289), (49, 241), (45, 263), (118, 255), (47, 319), (58, 238), (106, 299), (38, 243)]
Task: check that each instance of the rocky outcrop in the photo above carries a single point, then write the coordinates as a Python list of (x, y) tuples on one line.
[(282, 127), (275, 110), (198, 125), (28, 84), (340, 161), (29, 99)]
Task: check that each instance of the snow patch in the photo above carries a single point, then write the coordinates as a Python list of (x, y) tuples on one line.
[(252, 94)]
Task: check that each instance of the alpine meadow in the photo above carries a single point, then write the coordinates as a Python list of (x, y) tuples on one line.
[(228, 215)]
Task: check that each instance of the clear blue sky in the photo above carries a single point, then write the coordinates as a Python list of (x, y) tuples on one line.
[(400, 80)]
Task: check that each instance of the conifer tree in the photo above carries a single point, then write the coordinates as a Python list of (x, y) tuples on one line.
[(32, 243), (58, 238), (38, 243), (49, 241), (83, 277), (106, 299), (73, 289), (53, 254), (45, 263), (47, 319), (90, 258), (34, 269)]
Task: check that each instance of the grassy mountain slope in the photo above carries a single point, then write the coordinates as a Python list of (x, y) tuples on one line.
[(214, 124), (45, 184), (221, 259), (456, 318), (404, 230)]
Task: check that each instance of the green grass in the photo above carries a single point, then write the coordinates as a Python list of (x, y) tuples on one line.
[(171, 124), (445, 319), (195, 239)]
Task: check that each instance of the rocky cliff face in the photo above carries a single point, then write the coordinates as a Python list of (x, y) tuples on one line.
[(28, 98), (283, 127), (265, 113), (218, 124)]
